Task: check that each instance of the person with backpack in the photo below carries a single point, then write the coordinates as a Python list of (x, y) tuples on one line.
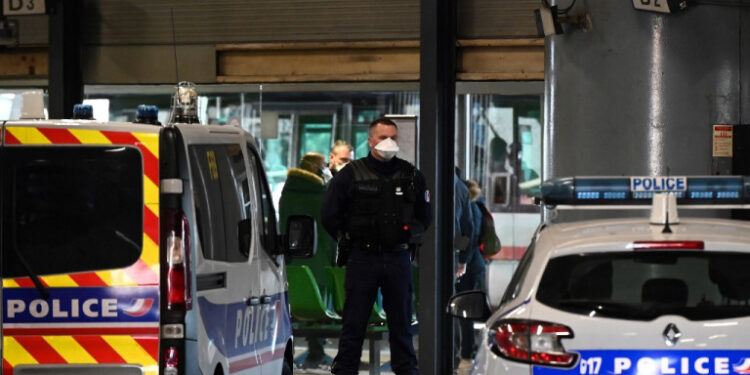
[(471, 268)]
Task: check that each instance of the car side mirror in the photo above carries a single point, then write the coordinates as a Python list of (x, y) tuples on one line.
[(301, 236), (470, 305), (244, 236)]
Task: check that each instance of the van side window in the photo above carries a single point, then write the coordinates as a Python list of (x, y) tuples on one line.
[(219, 179), (268, 213)]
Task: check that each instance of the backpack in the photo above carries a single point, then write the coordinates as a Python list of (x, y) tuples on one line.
[(489, 243)]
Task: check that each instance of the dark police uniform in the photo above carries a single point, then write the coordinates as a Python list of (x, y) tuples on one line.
[(381, 205)]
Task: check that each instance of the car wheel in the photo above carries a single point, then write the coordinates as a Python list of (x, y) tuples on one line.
[(287, 369)]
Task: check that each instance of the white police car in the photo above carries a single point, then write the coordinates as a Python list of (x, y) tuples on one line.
[(652, 295)]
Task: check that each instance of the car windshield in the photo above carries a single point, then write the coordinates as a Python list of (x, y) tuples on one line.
[(643, 285)]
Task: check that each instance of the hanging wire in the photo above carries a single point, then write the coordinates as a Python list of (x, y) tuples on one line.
[(561, 10)]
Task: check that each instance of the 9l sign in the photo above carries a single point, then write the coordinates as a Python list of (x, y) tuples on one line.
[(661, 6), (23, 7)]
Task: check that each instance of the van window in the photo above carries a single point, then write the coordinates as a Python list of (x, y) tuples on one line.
[(71, 209), (268, 236), (645, 285), (219, 180)]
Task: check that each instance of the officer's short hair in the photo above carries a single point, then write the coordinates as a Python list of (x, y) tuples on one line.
[(341, 143), (383, 121)]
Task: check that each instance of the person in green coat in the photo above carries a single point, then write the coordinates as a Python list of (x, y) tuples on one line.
[(303, 195)]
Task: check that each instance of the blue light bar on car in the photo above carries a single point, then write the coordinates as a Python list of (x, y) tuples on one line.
[(638, 190)]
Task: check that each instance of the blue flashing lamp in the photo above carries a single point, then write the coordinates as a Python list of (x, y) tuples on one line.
[(639, 190), (83, 112), (147, 114)]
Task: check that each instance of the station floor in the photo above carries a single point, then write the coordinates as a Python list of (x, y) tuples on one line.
[(332, 346)]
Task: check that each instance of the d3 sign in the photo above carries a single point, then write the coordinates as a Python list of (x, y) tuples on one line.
[(23, 7)]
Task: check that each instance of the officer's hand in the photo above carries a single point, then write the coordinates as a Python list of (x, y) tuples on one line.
[(461, 270)]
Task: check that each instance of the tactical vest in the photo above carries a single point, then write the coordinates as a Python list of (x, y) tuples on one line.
[(382, 209)]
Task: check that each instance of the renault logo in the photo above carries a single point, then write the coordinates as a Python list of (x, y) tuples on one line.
[(671, 334)]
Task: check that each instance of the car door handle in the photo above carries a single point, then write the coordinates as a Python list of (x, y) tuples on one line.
[(253, 301), (265, 300), (208, 281)]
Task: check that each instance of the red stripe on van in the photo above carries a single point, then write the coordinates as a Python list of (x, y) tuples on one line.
[(151, 224), (88, 279), (10, 139), (99, 349), (59, 135), (150, 162), (40, 349), (7, 368), (25, 282), (151, 344), (71, 331)]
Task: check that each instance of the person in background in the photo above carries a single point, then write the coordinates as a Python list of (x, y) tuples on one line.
[(303, 195), (463, 239), (473, 276), (341, 155)]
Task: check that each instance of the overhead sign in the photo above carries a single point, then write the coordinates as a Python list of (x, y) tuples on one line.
[(722, 141), (661, 6), (23, 7)]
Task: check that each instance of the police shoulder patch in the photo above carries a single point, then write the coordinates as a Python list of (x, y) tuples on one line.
[(427, 195)]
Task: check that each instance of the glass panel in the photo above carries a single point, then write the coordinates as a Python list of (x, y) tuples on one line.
[(506, 153), (269, 227), (71, 209), (645, 285), (218, 199)]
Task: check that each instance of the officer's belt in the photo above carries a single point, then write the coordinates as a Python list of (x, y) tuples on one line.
[(375, 247)]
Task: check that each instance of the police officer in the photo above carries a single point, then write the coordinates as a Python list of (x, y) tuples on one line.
[(379, 204)]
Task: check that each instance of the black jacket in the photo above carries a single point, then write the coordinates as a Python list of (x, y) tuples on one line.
[(338, 197)]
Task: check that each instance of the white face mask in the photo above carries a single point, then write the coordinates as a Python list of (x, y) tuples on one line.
[(387, 148), (327, 176), (339, 166)]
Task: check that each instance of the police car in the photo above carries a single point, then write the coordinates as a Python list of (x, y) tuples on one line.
[(661, 294), (140, 249)]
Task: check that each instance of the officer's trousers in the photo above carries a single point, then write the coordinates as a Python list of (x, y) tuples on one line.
[(366, 271)]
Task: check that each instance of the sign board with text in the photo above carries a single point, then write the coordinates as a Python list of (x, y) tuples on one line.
[(722, 141), (24, 7), (408, 137)]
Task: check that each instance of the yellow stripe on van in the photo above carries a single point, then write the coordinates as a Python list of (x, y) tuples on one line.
[(150, 253), (91, 137), (150, 141), (128, 348), (69, 349), (150, 193), (15, 354), (116, 278), (28, 135), (59, 281), (10, 283)]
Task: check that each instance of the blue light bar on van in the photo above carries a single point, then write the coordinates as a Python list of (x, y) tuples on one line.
[(638, 190)]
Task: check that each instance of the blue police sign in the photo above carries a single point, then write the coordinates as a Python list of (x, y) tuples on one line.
[(658, 184)]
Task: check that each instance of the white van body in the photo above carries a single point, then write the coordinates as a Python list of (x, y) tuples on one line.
[(201, 288)]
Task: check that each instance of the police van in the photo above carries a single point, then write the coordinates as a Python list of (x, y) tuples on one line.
[(660, 294), (132, 249)]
